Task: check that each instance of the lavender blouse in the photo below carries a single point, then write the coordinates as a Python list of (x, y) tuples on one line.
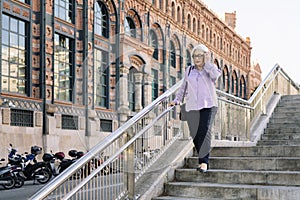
[(201, 90)]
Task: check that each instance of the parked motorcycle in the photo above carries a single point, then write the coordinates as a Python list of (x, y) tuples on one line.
[(53, 161), (29, 167)]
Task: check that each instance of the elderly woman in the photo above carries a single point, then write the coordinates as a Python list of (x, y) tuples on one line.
[(201, 101)]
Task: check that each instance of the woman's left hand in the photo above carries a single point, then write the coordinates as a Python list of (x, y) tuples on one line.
[(207, 57)]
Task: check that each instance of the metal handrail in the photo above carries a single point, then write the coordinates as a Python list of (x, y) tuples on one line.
[(116, 134), (102, 145)]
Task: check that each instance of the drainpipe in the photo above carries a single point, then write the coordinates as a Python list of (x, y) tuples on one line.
[(117, 48), (43, 63)]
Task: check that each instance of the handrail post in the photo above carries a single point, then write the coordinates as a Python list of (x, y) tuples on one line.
[(129, 163), (248, 124)]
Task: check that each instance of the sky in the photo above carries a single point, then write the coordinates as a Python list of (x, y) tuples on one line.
[(274, 30)]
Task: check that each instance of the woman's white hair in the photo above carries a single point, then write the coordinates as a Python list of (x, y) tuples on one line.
[(200, 47)]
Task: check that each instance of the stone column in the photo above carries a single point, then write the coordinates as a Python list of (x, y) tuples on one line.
[(138, 77), (123, 110), (148, 78)]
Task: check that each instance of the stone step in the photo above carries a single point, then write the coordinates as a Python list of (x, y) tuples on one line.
[(231, 191), (290, 97), (286, 136), (287, 178), (255, 151), (280, 115), (250, 163), (180, 198), (279, 142), (284, 119), (284, 125), (287, 109), (282, 130)]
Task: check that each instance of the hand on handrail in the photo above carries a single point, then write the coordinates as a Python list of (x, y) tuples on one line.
[(172, 103)]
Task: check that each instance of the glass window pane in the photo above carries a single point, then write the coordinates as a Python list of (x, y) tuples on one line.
[(13, 25), (21, 28), (5, 37), (14, 40), (5, 68), (21, 42), (4, 52), (5, 22)]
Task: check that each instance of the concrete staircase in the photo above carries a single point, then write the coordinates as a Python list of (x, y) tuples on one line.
[(268, 171)]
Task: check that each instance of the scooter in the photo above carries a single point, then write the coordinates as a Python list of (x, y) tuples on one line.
[(30, 167), (53, 161), (7, 179)]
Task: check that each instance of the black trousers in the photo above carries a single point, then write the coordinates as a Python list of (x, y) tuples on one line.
[(200, 124)]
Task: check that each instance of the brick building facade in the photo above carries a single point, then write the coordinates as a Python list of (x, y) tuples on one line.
[(65, 61)]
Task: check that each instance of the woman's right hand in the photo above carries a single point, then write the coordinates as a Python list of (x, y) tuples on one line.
[(172, 103)]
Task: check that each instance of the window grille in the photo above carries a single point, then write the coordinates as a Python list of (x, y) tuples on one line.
[(105, 125), (21, 118), (69, 122)]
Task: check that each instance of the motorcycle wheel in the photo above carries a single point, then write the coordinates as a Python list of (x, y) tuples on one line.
[(10, 183), (45, 173), (19, 181)]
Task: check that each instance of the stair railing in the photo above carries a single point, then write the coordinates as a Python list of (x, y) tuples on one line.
[(112, 167)]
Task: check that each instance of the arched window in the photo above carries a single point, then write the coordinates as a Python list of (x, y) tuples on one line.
[(129, 27), (234, 84), (203, 31), (153, 42), (101, 24), (198, 27), (131, 88), (243, 88), (178, 15), (189, 22), (155, 81), (188, 58), (194, 25), (226, 79), (172, 54), (161, 4), (207, 35), (173, 10)]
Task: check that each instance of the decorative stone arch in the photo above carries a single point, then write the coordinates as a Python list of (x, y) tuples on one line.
[(133, 14), (112, 10), (137, 62)]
